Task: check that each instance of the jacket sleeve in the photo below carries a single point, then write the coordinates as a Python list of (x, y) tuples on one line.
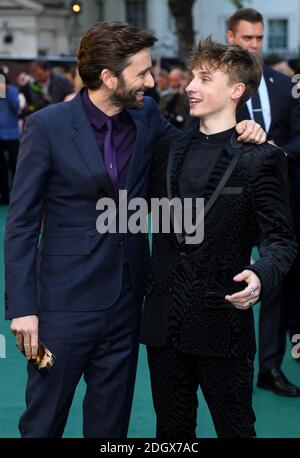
[(24, 220), (277, 242), (292, 146), (165, 130), (12, 96)]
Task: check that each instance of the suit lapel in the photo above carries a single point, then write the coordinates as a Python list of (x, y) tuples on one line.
[(138, 150), (229, 151), (272, 92), (87, 147), (176, 157)]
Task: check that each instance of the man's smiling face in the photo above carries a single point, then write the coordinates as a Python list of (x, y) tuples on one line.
[(134, 81)]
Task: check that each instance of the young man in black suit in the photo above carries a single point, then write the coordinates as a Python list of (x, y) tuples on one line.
[(197, 320), (275, 108)]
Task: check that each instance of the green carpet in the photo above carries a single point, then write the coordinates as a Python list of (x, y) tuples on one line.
[(276, 416)]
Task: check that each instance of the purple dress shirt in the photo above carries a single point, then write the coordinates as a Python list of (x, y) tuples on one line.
[(123, 135)]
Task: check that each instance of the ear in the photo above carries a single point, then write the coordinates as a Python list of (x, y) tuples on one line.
[(230, 36), (109, 79), (237, 91)]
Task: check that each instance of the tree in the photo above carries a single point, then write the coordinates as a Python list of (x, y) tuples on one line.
[(238, 3), (183, 15), (182, 11)]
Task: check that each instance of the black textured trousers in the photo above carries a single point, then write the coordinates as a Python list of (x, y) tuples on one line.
[(226, 385)]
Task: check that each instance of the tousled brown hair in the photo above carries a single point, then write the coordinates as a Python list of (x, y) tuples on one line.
[(244, 14), (240, 65), (110, 45)]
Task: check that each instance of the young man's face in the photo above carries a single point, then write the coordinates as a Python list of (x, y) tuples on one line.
[(248, 35), (134, 80), (209, 92)]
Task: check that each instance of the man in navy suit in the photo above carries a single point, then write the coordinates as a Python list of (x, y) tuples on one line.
[(275, 108), (80, 292)]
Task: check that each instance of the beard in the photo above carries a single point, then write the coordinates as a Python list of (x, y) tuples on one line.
[(126, 98)]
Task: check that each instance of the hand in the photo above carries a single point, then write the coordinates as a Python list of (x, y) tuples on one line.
[(250, 295), (26, 331), (251, 132), (272, 142)]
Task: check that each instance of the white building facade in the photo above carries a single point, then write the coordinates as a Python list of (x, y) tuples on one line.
[(282, 20), (30, 28), (47, 27)]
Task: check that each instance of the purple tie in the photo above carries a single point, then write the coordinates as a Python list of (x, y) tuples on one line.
[(110, 154)]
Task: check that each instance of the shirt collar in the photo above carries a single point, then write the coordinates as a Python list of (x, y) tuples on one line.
[(220, 137), (98, 118)]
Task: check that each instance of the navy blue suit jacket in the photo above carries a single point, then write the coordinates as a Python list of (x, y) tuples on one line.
[(285, 113), (60, 177)]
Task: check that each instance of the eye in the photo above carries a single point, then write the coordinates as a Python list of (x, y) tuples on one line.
[(144, 74)]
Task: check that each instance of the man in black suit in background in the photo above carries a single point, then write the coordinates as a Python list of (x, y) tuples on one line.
[(274, 107)]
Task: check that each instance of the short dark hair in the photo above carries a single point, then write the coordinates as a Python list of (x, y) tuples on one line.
[(43, 64), (109, 44), (239, 64), (244, 14)]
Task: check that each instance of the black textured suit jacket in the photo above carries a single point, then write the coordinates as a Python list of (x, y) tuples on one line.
[(187, 284)]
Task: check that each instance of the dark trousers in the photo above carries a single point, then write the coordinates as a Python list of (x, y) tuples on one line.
[(272, 331), (226, 385), (280, 314), (291, 295), (12, 149), (103, 347), (291, 298)]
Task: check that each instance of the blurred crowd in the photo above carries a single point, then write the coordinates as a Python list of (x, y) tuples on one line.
[(30, 93), (45, 85)]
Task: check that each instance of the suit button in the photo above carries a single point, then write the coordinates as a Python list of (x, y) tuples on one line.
[(170, 290), (182, 254), (120, 243)]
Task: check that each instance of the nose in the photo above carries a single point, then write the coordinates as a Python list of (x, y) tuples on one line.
[(149, 81), (189, 87), (254, 44)]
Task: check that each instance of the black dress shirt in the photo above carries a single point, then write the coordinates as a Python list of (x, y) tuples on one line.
[(200, 159)]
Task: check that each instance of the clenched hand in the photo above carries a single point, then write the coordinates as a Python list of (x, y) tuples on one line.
[(26, 331)]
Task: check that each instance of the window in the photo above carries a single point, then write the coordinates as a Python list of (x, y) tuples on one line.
[(171, 22), (100, 10), (278, 34), (136, 13)]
